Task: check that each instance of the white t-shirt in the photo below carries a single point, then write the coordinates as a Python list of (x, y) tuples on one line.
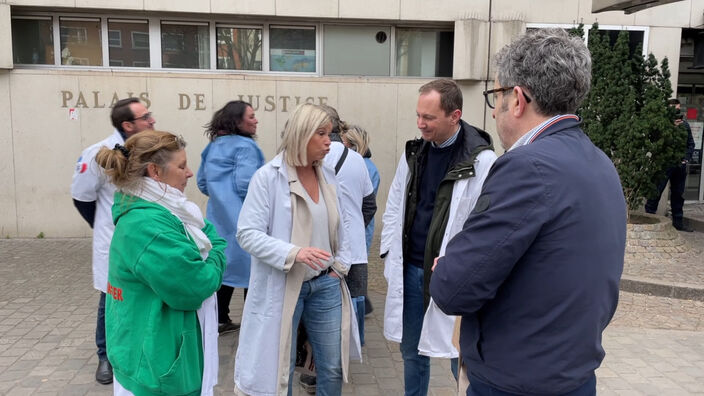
[(353, 185), (91, 184)]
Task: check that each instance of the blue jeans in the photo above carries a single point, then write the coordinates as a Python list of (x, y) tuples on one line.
[(416, 368), (100, 329), (478, 388), (320, 307)]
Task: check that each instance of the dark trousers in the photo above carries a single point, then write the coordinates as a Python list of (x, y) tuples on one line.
[(677, 176), (224, 296), (356, 279), (478, 388), (100, 329)]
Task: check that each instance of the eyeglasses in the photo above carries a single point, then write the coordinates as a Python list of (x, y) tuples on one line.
[(145, 117), (490, 95)]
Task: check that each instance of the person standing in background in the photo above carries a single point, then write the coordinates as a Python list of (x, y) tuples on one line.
[(356, 138), (676, 175), (92, 195), (227, 165)]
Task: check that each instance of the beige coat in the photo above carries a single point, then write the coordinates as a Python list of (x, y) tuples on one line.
[(263, 230)]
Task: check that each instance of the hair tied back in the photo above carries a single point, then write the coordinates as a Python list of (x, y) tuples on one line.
[(123, 149)]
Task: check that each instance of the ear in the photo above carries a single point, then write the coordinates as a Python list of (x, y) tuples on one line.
[(153, 171), (518, 102), (455, 116), (127, 127)]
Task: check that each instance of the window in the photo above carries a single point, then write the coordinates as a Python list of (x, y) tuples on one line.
[(140, 40), (32, 40), (357, 50), (81, 41), (292, 49), (131, 52), (239, 48), (424, 53), (637, 35), (114, 38), (185, 45)]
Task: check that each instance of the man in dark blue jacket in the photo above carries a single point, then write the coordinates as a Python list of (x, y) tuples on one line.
[(535, 271)]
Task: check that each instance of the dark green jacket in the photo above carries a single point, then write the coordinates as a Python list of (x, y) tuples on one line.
[(470, 142), (156, 282)]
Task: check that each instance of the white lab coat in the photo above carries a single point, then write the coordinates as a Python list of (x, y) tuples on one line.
[(354, 184), (258, 357), (91, 184), (436, 335)]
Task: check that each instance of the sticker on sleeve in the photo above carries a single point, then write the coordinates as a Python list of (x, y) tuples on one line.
[(482, 204), (80, 165)]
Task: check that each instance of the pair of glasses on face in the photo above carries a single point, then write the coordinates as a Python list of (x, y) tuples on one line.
[(490, 95), (145, 117)]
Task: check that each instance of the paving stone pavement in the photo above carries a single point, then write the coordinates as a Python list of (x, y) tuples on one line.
[(655, 345)]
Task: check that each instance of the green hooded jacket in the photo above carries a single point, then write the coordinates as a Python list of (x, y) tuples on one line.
[(156, 282)]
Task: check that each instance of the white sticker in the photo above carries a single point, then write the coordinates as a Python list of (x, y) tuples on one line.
[(72, 114)]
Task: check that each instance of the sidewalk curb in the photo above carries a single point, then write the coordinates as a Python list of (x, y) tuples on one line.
[(682, 291), (697, 225)]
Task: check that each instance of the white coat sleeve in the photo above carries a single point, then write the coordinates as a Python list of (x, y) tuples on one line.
[(392, 218), (253, 224), (88, 177)]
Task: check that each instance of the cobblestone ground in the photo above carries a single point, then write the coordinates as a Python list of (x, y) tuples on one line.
[(654, 345)]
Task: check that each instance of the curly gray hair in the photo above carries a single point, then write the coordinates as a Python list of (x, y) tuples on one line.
[(553, 67)]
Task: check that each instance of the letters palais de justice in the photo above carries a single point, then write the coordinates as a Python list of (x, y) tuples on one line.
[(99, 100)]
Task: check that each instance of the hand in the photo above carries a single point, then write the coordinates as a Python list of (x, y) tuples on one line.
[(678, 122), (313, 257), (435, 263)]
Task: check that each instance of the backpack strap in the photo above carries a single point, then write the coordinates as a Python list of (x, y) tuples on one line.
[(341, 160)]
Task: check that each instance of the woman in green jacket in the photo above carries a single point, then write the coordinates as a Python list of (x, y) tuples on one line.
[(166, 262)]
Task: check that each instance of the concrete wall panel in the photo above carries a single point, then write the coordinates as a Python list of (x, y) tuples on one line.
[(182, 106), (111, 4), (259, 7), (42, 3), (369, 115), (5, 37), (471, 47), (447, 10), (550, 11), (177, 6), (308, 8), (668, 15), (371, 9), (8, 212), (604, 18), (46, 146), (661, 45)]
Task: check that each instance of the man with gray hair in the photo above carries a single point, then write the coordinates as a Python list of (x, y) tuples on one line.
[(534, 272)]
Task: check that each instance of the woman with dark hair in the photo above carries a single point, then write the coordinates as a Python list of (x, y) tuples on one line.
[(227, 165)]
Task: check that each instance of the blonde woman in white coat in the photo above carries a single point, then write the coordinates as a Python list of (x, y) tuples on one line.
[(290, 224)]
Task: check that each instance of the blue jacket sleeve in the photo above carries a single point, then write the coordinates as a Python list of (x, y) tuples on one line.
[(201, 178), (506, 219), (247, 162)]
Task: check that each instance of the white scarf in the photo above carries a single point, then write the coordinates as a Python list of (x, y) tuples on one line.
[(192, 218)]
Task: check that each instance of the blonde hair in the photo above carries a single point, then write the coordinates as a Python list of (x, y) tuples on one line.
[(300, 127), (126, 165), (357, 138)]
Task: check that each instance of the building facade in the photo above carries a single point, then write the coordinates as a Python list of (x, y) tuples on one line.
[(64, 62)]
